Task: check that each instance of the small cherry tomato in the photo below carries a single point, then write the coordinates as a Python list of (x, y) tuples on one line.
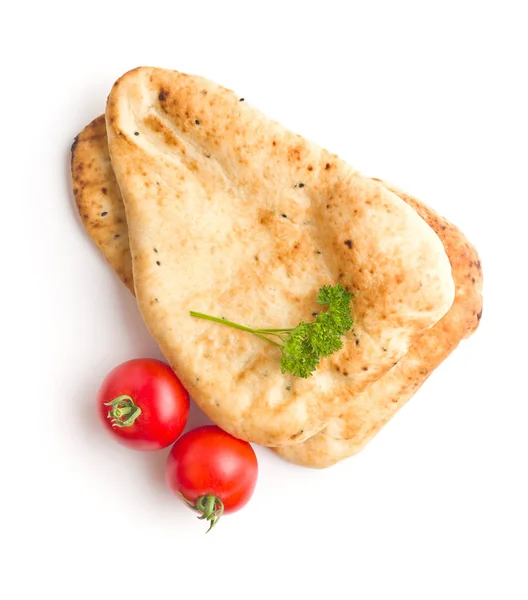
[(143, 404), (214, 472)]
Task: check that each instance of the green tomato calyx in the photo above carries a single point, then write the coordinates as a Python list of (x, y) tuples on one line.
[(211, 507), (123, 412)]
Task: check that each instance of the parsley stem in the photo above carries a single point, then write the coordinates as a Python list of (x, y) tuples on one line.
[(266, 332), (303, 346), (200, 315)]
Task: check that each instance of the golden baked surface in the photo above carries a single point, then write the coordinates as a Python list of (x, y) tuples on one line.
[(232, 215)]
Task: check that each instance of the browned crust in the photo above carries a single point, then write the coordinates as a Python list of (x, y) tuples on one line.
[(98, 198)]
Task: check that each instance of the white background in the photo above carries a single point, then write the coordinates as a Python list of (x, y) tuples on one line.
[(428, 95)]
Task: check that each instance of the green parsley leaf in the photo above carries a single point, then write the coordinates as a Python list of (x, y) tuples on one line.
[(298, 355), (303, 346)]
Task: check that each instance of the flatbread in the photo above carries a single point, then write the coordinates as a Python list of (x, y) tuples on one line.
[(346, 435), (98, 198), (368, 412), (205, 181)]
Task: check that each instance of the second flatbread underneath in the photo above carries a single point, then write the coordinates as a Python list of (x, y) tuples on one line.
[(102, 211), (370, 411)]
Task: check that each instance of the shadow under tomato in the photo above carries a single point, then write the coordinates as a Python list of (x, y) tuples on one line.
[(90, 426)]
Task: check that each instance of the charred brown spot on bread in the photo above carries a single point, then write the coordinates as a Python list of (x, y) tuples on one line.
[(348, 243), (162, 95), (265, 216), (157, 125), (310, 168), (327, 166), (104, 190), (193, 166), (479, 315), (294, 153)]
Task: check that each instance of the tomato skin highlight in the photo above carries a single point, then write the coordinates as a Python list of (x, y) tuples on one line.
[(157, 391), (209, 461)]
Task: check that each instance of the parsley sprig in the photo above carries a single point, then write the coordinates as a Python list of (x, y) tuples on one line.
[(303, 346)]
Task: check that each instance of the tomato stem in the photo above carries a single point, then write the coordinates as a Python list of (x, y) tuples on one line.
[(124, 412), (211, 507)]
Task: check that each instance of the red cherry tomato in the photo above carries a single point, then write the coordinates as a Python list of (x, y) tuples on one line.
[(143, 404), (214, 472)]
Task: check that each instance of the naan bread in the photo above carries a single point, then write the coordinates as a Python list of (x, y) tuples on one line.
[(98, 198), (346, 435), (205, 181), (368, 412)]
